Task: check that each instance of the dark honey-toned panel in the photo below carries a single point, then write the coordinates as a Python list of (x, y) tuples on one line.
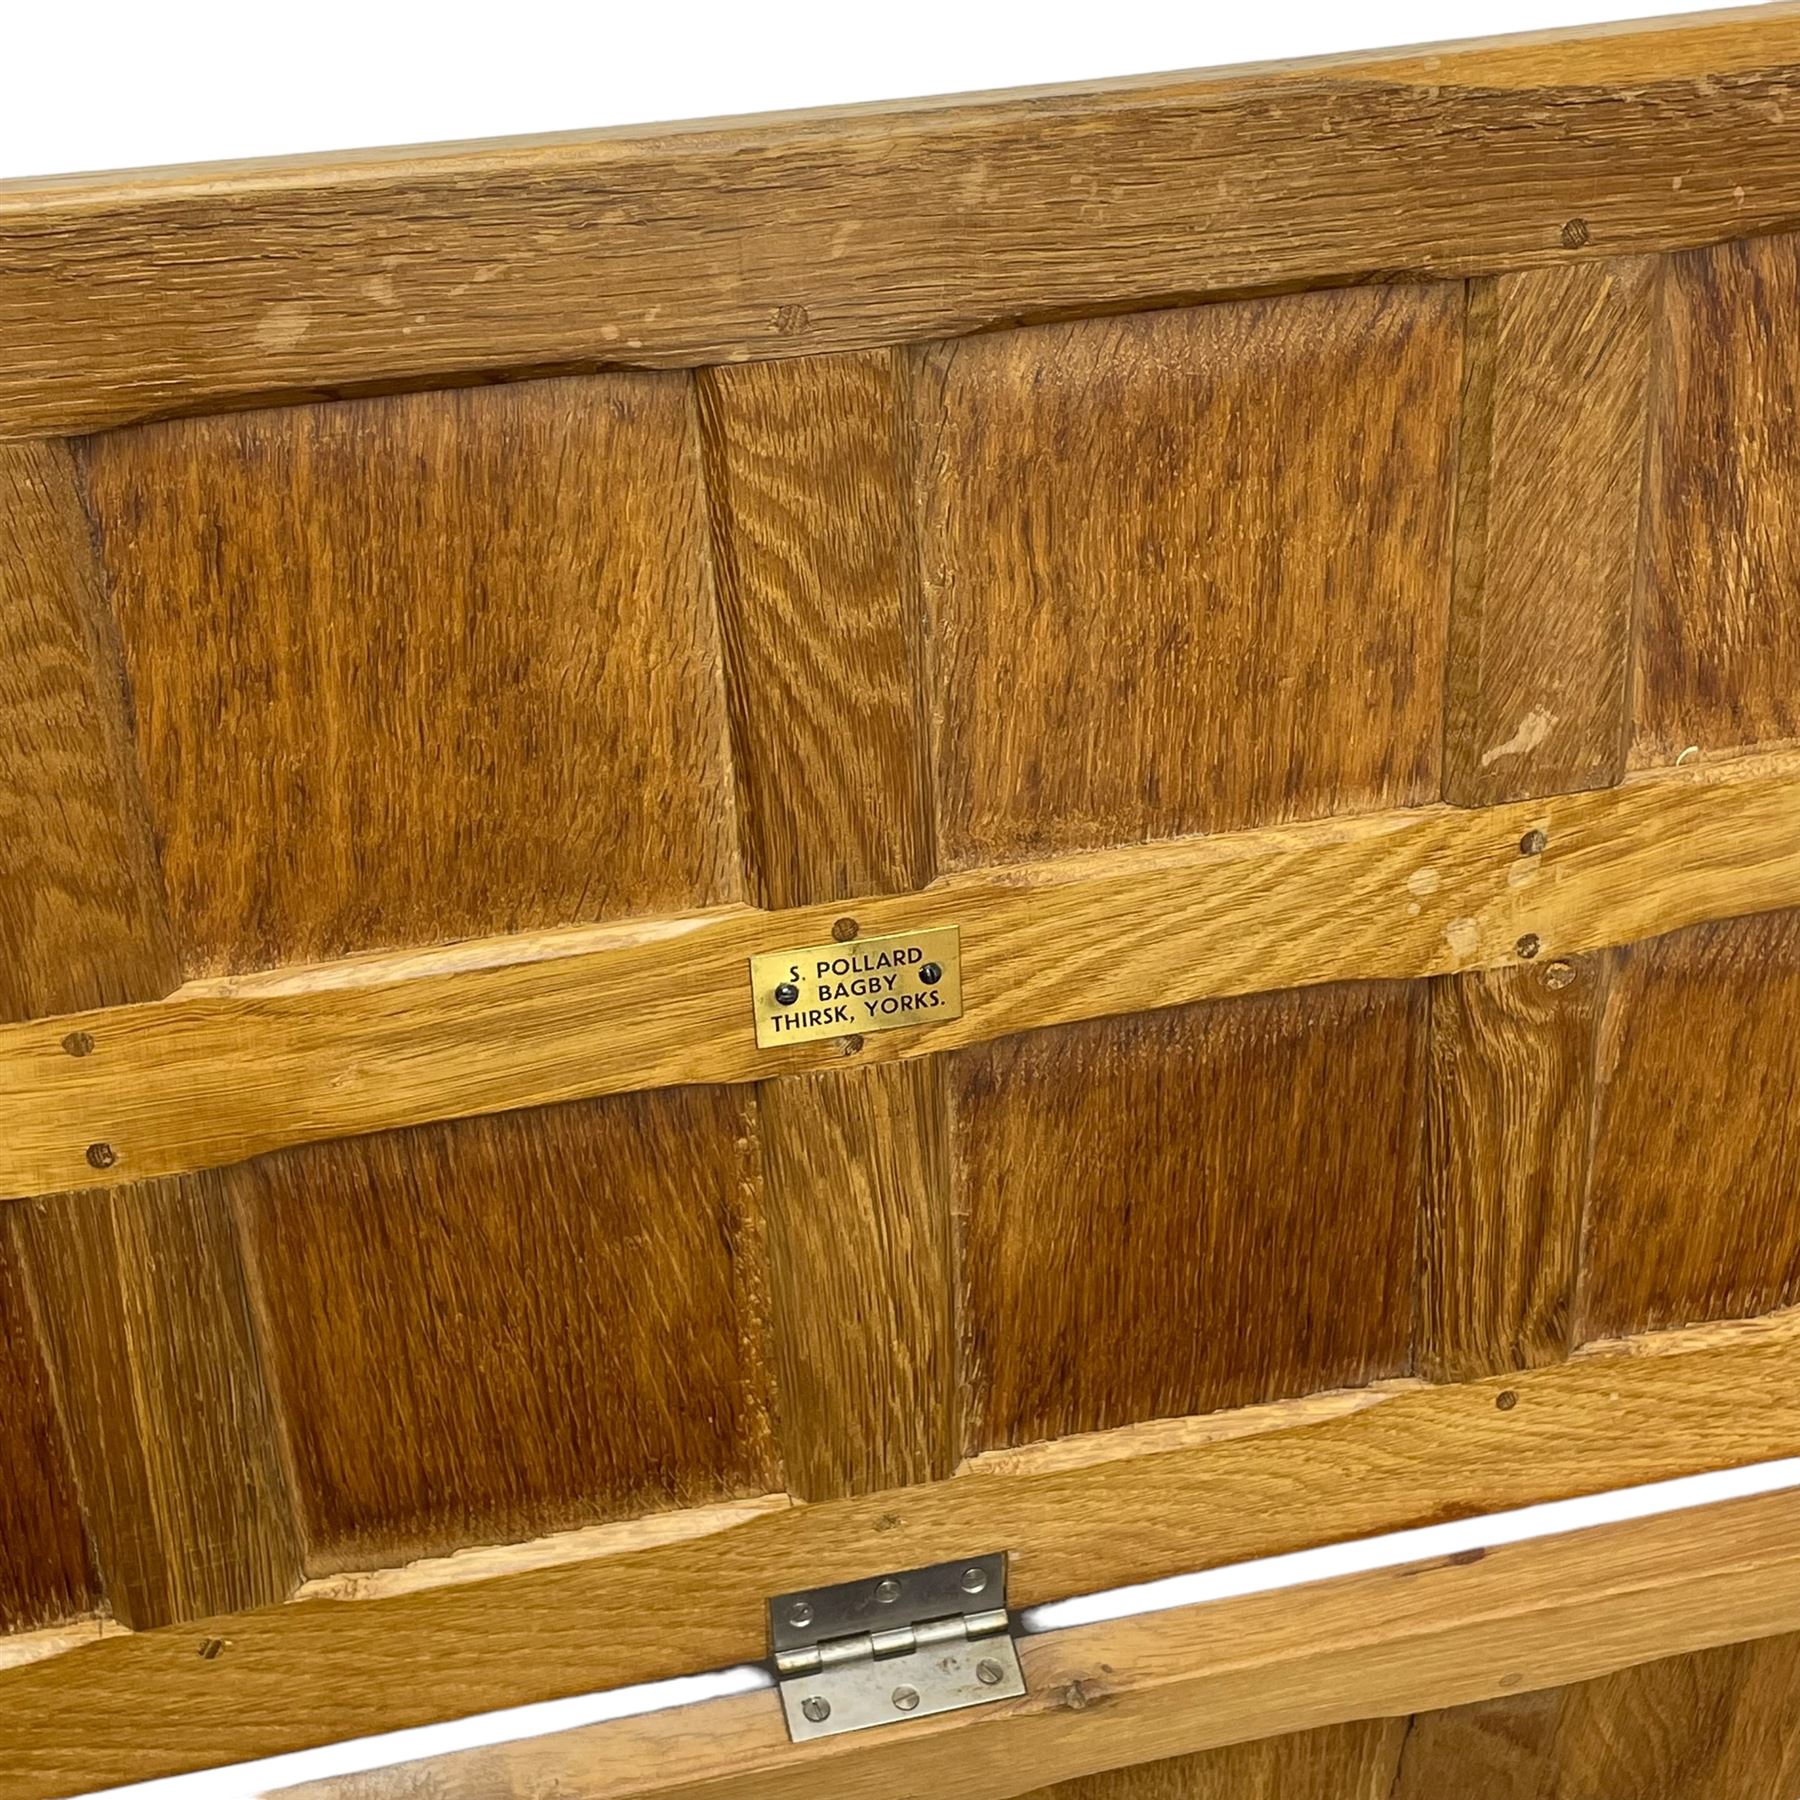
[(46, 1571), (142, 1304), (1189, 571), (807, 465), (1184, 1211), (1720, 1725), (1550, 473), (1694, 1209), (1340, 1762), (1719, 641), (424, 667), (1509, 1102), (500, 1327)]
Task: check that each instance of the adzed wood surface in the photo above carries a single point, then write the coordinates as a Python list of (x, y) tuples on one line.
[(1694, 1209), (138, 295), (317, 1670), (1189, 1210), (436, 666), (504, 1327), (1187, 570), (226, 1070)]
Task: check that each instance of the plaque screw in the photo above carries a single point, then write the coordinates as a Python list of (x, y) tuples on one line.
[(906, 1698), (887, 1592), (800, 1613), (786, 994), (931, 974), (974, 1580), (989, 1672), (817, 1708)]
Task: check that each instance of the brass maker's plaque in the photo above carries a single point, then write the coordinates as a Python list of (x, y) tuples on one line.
[(869, 984)]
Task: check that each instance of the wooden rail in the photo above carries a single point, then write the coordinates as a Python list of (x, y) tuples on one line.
[(224, 1070), (130, 296), (1395, 1641), (1133, 1506)]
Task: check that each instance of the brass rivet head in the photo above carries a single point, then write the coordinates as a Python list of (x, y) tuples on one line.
[(1534, 842), (1528, 946), (844, 930), (101, 1156), (79, 1043)]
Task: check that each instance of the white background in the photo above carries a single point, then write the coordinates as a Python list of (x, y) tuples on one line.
[(123, 83)]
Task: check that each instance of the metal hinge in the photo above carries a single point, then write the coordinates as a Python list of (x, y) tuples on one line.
[(894, 1647)]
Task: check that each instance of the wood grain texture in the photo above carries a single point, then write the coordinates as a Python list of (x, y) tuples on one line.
[(502, 1327), (1694, 1211), (1531, 1614), (314, 1671), (1550, 479), (1355, 1761), (857, 1189), (227, 1069), (1509, 1103), (138, 1299), (127, 296), (1719, 649), (1717, 1725), (1187, 570), (81, 911), (452, 659), (1188, 1210), (141, 1303), (807, 465), (46, 1567)]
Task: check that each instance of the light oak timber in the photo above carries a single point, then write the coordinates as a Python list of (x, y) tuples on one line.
[(1432, 1634), (225, 1069), (129, 296), (316, 1670)]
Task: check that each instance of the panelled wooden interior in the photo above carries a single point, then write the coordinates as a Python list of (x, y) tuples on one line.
[(318, 710)]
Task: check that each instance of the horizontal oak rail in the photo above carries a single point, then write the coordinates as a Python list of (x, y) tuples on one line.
[(1395, 1641), (319, 1670), (131, 296), (224, 1070)]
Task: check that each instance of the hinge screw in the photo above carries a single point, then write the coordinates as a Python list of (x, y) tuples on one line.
[(800, 1613), (989, 1672), (974, 1580), (887, 1592), (906, 1698), (817, 1708)]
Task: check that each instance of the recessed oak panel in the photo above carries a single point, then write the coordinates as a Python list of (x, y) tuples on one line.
[(1183, 1211), (500, 1327), (424, 667), (1719, 638), (1694, 1209), (1188, 570)]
